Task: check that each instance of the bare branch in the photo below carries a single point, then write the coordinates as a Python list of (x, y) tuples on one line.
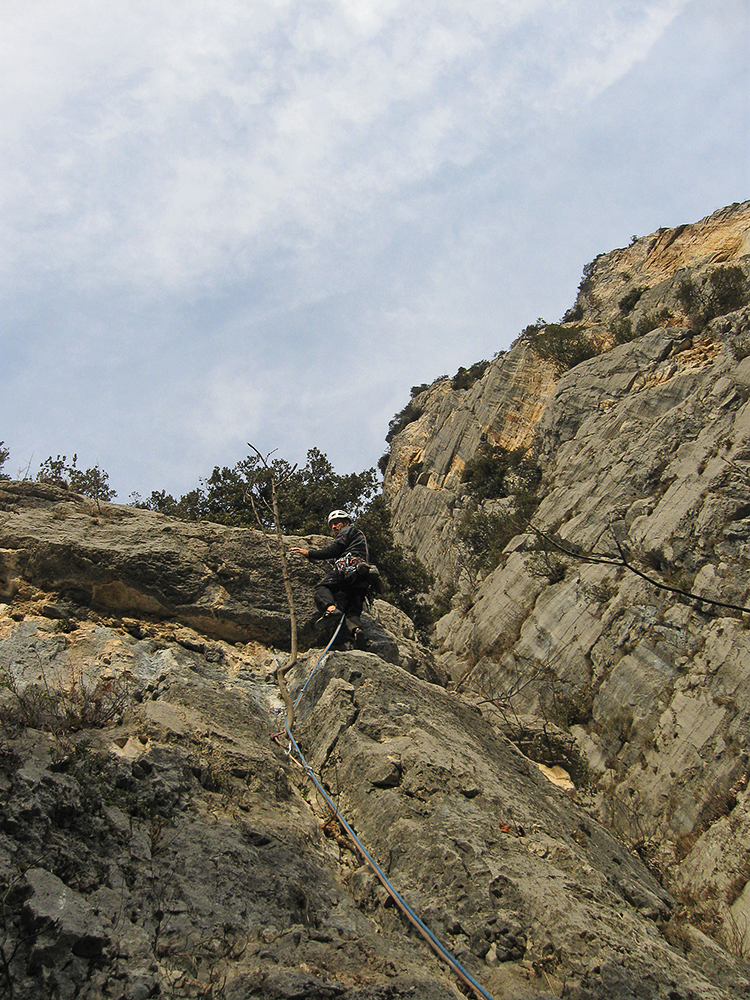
[(287, 582)]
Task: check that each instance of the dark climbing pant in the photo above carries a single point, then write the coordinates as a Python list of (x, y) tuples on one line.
[(334, 589)]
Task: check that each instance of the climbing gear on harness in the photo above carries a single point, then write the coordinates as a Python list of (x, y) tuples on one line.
[(348, 565)]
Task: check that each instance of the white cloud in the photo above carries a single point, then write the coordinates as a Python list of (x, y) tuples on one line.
[(247, 219), (164, 145)]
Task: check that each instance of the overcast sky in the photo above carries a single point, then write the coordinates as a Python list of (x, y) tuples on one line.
[(265, 221)]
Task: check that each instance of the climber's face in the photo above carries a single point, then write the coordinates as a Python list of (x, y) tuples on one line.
[(336, 526)]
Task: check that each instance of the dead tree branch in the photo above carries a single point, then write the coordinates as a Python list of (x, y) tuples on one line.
[(281, 672)]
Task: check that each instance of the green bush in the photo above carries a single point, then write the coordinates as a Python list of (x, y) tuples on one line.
[(92, 482), (568, 346), (403, 418), (493, 473), (485, 474), (622, 330), (486, 535), (629, 301), (728, 290), (651, 321), (724, 290), (573, 314), (235, 496), (466, 377), (4, 456), (587, 280)]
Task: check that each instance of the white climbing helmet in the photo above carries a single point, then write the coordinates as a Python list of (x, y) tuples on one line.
[(338, 515)]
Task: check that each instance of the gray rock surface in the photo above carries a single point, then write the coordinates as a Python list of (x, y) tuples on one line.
[(226, 582), (174, 847), (157, 838), (636, 685), (161, 843)]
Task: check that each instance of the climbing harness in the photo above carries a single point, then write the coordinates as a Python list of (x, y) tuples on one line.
[(395, 895)]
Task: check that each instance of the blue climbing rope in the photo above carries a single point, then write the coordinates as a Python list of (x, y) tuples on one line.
[(320, 660), (440, 950), (424, 930)]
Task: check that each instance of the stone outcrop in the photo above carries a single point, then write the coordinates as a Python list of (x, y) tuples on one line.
[(155, 840), (611, 636), (558, 787), (227, 582)]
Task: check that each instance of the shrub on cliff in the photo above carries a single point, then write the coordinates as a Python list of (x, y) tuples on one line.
[(622, 330), (4, 456), (567, 346), (629, 301), (92, 482), (235, 496), (724, 290), (466, 377), (496, 473), (403, 418)]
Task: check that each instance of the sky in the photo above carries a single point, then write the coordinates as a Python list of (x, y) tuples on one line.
[(265, 222)]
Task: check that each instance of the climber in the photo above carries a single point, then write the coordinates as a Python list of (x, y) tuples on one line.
[(344, 588)]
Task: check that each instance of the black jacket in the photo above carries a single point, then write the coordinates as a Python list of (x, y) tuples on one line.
[(349, 540)]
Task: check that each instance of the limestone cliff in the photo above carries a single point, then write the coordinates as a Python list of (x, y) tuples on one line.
[(611, 633), (156, 840), (558, 787)]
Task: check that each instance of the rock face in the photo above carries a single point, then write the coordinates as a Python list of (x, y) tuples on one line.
[(155, 840), (226, 582), (659, 282), (611, 635), (423, 478), (569, 815)]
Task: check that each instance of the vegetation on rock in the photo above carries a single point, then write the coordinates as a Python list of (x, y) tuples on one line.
[(495, 473), (724, 290), (238, 496), (567, 346), (629, 301), (403, 418), (466, 377), (92, 482)]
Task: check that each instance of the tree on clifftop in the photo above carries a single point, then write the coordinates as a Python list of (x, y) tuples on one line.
[(307, 497), (92, 482)]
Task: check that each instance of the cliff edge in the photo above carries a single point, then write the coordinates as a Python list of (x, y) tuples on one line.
[(609, 631)]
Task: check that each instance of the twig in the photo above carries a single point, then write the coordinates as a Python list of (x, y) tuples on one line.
[(623, 562), (280, 673)]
